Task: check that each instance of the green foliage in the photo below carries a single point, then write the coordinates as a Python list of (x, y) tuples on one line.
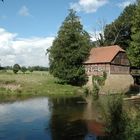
[(136, 128), (35, 84), (86, 91), (121, 123), (117, 123), (125, 31), (16, 68), (30, 69), (97, 82), (69, 50), (8, 68), (119, 31), (2, 68), (95, 91), (134, 49), (23, 69), (99, 79), (104, 75), (39, 68)]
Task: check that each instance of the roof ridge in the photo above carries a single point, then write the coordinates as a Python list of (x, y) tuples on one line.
[(104, 54)]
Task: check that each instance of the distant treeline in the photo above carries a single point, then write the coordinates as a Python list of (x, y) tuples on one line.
[(2, 68), (34, 68)]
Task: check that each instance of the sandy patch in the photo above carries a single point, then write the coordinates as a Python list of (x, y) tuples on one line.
[(12, 87)]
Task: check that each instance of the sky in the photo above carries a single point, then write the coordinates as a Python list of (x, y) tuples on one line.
[(28, 27)]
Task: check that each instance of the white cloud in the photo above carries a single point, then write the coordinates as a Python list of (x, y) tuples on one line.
[(31, 107), (88, 6), (24, 11), (23, 51), (95, 35), (126, 3)]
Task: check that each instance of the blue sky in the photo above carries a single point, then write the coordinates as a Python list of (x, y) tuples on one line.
[(28, 27)]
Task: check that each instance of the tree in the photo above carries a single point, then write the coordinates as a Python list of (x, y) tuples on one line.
[(99, 36), (23, 69), (69, 50), (30, 69), (119, 31), (16, 68), (134, 49)]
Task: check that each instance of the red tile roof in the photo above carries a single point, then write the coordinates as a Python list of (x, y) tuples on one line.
[(103, 54)]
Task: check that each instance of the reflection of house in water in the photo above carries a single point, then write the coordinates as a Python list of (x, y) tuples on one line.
[(110, 59), (67, 122)]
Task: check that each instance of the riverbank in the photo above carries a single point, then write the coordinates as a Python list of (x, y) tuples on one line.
[(33, 84)]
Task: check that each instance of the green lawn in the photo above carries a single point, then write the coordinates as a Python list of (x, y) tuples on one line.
[(33, 84)]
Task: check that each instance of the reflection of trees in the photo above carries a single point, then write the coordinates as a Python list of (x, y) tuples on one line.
[(73, 121), (66, 121)]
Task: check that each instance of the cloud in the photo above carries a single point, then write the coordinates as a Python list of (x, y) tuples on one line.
[(28, 52), (88, 6), (126, 3), (31, 107), (24, 11), (95, 35)]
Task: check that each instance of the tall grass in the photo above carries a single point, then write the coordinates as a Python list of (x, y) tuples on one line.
[(120, 123), (35, 84)]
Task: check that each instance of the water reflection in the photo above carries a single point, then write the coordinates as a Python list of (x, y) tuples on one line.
[(49, 119), (25, 120), (66, 119), (73, 121)]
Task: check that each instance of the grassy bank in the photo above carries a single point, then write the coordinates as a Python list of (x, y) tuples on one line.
[(33, 84)]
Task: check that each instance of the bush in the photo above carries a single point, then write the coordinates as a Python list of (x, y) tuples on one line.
[(16, 68), (31, 69), (118, 123), (86, 92), (104, 75), (23, 69), (99, 79), (95, 91)]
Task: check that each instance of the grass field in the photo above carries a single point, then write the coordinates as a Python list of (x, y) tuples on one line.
[(33, 84)]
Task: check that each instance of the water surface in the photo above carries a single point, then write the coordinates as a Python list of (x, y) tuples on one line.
[(48, 119)]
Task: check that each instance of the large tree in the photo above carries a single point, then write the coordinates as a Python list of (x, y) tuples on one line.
[(16, 68), (69, 50), (119, 31), (134, 49)]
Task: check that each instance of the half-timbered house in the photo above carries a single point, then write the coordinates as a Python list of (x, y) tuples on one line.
[(109, 59)]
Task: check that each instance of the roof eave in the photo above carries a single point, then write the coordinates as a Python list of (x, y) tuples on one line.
[(86, 63)]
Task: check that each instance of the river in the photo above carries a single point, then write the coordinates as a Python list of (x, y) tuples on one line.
[(46, 118)]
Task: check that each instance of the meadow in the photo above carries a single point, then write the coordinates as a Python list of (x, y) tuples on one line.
[(32, 84)]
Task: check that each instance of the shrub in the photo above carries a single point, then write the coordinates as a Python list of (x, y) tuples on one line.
[(16, 68), (99, 79), (31, 69), (23, 69), (118, 122), (95, 91), (104, 75), (86, 91)]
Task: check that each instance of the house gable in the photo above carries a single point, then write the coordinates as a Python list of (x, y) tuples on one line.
[(103, 54), (110, 59), (121, 59)]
